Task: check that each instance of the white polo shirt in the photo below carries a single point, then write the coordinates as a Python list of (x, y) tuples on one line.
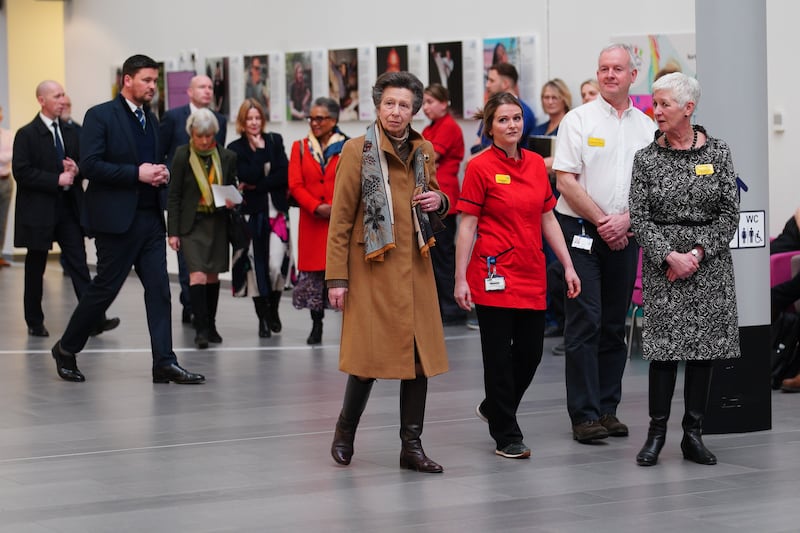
[(598, 146)]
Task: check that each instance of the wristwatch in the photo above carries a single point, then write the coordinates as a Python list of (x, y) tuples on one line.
[(696, 253)]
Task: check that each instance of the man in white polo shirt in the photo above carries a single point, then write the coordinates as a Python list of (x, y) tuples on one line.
[(593, 161)]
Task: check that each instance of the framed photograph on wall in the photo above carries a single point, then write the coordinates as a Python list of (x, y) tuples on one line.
[(217, 68), (298, 85), (343, 81), (445, 66), (256, 77)]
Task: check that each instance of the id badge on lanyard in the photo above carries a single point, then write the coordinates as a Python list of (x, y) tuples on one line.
[(582, 241), (493, 282)]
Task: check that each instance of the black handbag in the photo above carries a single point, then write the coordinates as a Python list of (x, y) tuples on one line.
[(238, 231)]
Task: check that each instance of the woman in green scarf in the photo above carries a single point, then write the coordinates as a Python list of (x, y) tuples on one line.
[(194, 224)]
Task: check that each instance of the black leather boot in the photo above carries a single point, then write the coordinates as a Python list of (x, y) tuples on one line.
[(212, 301), (274, 321), (695, 394), (197, 293), (315, 337), (413, 393), (356, 394), (260, 303), (661, 388)]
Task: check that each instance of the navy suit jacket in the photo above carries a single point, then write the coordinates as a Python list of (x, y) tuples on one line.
[(110, 162), (36, 169), (172, 131)]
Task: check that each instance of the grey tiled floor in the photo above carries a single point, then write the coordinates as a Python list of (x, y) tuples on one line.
[(248, 451)]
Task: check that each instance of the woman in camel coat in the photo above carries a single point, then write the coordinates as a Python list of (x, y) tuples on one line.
[(379, 273)]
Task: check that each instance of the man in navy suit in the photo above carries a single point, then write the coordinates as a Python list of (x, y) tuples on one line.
[(124, 211), (172, 133), (49, 196)]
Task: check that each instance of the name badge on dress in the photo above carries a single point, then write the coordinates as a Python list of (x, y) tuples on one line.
[(493, 282), (704, 170), (503, 179)]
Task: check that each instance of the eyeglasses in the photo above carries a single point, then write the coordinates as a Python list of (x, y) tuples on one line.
[(317, 119)]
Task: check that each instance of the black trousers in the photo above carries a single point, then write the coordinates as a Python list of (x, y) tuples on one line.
[(594, 329), (142, 247), (443, 256), (511, 343), (69, 236)]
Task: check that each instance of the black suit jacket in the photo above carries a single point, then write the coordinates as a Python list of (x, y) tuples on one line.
[(172, 131), (109, 161), (36, 169), (184, 194)]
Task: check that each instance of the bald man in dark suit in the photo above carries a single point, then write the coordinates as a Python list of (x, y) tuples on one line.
[(49, 196)]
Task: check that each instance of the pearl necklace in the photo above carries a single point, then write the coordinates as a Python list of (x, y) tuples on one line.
[(694, 140)]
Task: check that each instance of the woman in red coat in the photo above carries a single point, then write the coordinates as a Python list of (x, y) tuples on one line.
[(312, 168)]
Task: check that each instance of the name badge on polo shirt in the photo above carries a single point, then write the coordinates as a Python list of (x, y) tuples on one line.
[(597, 142), (704, 170), (503, 179)]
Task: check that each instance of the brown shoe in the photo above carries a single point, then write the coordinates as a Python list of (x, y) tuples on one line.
[(791, 384), (589, 430), (614, 427)]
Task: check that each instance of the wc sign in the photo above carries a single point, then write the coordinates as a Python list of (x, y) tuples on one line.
[(751, 232)]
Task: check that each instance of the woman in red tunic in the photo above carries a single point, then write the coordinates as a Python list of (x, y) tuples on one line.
[(506, 207)]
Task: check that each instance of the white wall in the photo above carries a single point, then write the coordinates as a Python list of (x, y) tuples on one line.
[(784, 79), (571, 32), (98, 36)]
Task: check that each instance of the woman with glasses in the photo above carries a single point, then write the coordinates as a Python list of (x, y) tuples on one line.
[(312, 169), (263, 179)]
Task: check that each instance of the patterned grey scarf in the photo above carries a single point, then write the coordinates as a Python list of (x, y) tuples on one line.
[(378, 235)]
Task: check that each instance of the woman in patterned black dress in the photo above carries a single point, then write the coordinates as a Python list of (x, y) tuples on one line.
[(684, 211)]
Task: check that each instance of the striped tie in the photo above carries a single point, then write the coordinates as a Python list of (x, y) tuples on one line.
[(140, 115)]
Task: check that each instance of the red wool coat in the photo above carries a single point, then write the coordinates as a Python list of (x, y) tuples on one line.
[(310, 187)]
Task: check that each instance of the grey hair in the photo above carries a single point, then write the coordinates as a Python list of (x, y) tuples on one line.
[(202, 121), (399, 80), (330, 104), (684, 88), (633, 62)]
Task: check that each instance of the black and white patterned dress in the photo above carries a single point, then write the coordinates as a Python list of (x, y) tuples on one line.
[(677, 201)]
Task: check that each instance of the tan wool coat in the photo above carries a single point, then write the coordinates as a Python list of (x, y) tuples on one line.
[(390, 305)]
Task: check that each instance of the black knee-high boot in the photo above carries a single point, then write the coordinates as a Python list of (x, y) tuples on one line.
[(273, 319), (695, 393), (315, 337), (197, 293), (356, 394), (661, 376), (413, 393), (260, 303), (212, 301)]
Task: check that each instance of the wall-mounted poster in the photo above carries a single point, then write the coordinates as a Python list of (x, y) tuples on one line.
[(657, 54), (217, 70), (445, 67), (391, 58), (177, 85), (298, 85), (499, 50), (256, 80), (343, 81)]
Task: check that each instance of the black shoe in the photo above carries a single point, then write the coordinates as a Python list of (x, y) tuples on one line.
[(515, 450), (315, 337), (186, 316), (589, 430), (214, 336), (559, 350), (176, 374), (614, 427), (66, 365), (106, 325), (554, 331), (201, 340), (38, 331)]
